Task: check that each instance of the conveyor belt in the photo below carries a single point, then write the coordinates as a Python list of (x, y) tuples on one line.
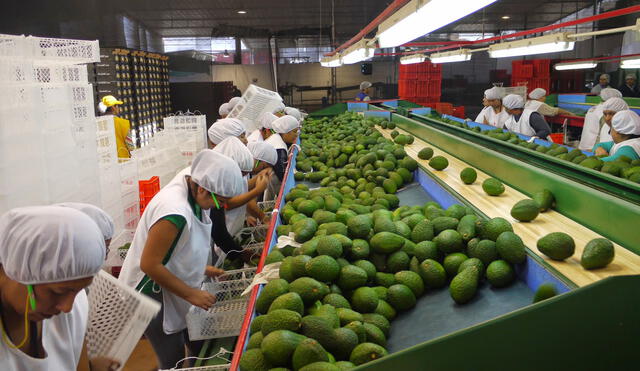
[(625, 263)]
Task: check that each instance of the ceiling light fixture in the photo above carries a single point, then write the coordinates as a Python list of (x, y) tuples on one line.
[(578, 65), (419, 18), (553, 43), (358, 52), (333, 61), (412, 59), (461, 55), (630, 63), (242, 12), (505, 17)]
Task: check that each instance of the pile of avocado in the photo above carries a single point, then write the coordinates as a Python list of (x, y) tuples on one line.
[(363, 260), (623, 167)]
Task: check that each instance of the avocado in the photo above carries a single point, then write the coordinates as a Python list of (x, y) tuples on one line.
[(254, 360), (290, 300), (423, 231), (500, 273), (468, 175), (308, 207), (309, 289), (598, 253), (397, 261), (412, 280), (433, 274), (344, 365), (442, 223), (336, 300), (464, 285), (347, 316), (452, 263), (281, 319), (255, 340), (327, 312), (317, 328), (485, 250), (385, 309), (309, 351), (493, 187), (384, 224), (439, 163), (299, 265), (278, 346), (386, 243), (304, 230), (426, 250), (345, 340), (557, 245), (330, 246), (256, 324), (352, 277), (511, 248), (472, 262), (366, 352), (323, 268), (467, 227), (385, 279), (525, 210), (456, 211), (364, 300), (494, 227), (449, 241), (368, 267), (269, 293), (359, 226), (545, 291), (374, 335), (333, 228), (425, 153), (359, 249)]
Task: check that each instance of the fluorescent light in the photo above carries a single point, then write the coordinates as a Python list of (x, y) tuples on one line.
[(411, 59), (630, 63), (418, 18), (454, 56), (505, 17), (242, 12), (537, 45), (581, 65), (358, 52), (333, 61)]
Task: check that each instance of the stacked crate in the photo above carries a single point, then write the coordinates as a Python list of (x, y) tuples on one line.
[(112, 76), (420, 83), (534, 73)]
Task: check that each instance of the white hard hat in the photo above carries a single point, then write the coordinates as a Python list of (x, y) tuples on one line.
[(293, 112), (626, 122), (513, 101), (217, 173)]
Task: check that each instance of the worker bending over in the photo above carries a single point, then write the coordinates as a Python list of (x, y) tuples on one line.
[(523, 120), (625, 131)]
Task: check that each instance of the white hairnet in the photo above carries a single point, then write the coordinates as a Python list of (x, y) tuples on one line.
[(364, 85), (615, 104), (626, 122), (607, 93), (285, 124), (224, 109), (263, 151), (493, 93), (228, 127), (99, 216), (537, 93), (102, 107), (233, 101), (217, 173), (513, 101), (606, 76), (45, 244), (293, 112), (279, 108), (266, 119), (233, 148), (630, 76)]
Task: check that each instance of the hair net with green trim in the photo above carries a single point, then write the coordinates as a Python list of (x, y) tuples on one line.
[(224, 128), (217, 173), (233, 148), (99, 216), (46, 244), (263, 151)]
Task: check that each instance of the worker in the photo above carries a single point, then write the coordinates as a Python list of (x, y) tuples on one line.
[(224, 110), (536, 102), (485, 103), (99, 216), (294, 112), (168, 257), (286, 130), (609, 109), (233, 102), (594, 121), (278, 110), (630, 88), (48, 256), (363, 95), (124, 143), (603, 82), (523, 120), (265, 157), (625, 131), (494, 114), (224, 128), (264, 128)]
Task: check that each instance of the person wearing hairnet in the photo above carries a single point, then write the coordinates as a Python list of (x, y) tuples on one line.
[(168, 257), (278, 110), (494, 114), (224, 110), (48, 256), (630, 88), (224, 128), (609, 109), (265, 157), (285, 134), (110, 106), (625, 131), (603, 82), (594, 121), (264, 130), (363, 95), (536, 102), (294, 112), (485, 104), (523, 120), (99, 216)]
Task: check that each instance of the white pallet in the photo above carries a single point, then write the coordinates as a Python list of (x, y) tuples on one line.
[(118, 316), (255, 101)]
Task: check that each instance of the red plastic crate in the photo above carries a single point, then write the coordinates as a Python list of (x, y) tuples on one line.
[(423, 67), (148, 189), (412, 68), (544, 83), (411, 87), (435, 68), (402, 68), (516, 81), (412, 75), (422, 89), (444, 108), (459, 112), (541, 68)]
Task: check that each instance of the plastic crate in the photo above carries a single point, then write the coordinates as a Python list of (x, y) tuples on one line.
[(557, 138), (225, 317), (411, 75), (522, 71), (148, 189), (57, 74), (412, 68), (444, 108), (411, 89), (459, 112), (128, 176), (118, 316), (15, 71), (116, 253), (130, 210), (434, 88), (255, 101), (541, 68), (13, 46), (64, 50), (237, 274), (422, 89)]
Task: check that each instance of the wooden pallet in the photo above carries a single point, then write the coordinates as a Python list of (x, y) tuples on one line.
[(625, 262)]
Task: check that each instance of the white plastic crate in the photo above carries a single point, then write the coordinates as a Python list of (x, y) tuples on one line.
[(237, 274), (226, 367), (131, 210), (55, 73), (110, 183), (118, 316), (67, 51), (14, 70), (13, 46), (225, 317), (128, 176), (255, 101)]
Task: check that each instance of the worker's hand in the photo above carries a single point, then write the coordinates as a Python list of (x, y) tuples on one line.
[(266, 219), (251, 221), (262, 182), (211, 271), (103, 364), (601, 152), (201, 299)]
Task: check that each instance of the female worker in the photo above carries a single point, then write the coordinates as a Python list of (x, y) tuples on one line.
[(594, 121), (99, 216), (609, 109), (363, 95), (494, 114), (294, 112), (265, 157), (278, 110), (224, 110), (523, 120), (264, 130), (485, 106), (224, 128), (109, 106), (625, 131), (48, 256), (537, 103), (285, 134), (168, 257)]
